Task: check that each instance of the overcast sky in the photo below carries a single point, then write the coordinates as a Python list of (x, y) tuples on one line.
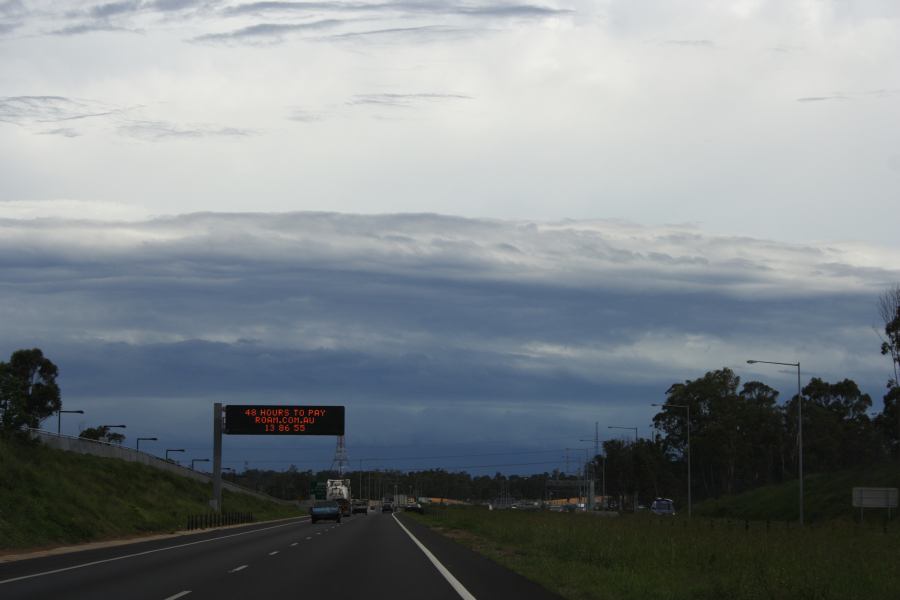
[(479, 225)]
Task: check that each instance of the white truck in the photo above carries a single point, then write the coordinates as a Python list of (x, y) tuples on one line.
[(339, 490)]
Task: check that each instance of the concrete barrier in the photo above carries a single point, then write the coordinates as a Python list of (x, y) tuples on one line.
[(107, 450)]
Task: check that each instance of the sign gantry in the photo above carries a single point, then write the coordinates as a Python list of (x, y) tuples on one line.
[(268, 419)]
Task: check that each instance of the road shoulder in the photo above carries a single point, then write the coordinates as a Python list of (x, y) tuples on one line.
[(8, 556), (483, 577)]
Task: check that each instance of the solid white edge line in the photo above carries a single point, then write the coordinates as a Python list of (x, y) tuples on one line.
[(115, 558), (179, 595), (453, 581)]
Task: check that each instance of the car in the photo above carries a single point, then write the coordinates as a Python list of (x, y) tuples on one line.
[(663, 507), (325, 510), (415, 507), (360, 506), (387, 507)]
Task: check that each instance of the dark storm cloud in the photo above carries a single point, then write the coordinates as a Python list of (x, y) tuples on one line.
[(267, 32), (161, 130), (130, 7), (428, 8), (86, 28), (821, 98), (33, 111), (62, 131), (23, 110), (691, 43), (112, 9), (12, 8), (305, 116), (402, 100), (497, 322), (421, 33)]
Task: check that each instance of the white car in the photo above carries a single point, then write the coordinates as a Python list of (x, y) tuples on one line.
[(663, 506)]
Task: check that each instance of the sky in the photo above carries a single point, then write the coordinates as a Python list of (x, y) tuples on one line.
[(482, 226)]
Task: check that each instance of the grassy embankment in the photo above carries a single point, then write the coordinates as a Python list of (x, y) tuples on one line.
[(827, 496), (50, 497), (639, 557)]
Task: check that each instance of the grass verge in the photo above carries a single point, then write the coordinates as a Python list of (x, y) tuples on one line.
[(582, 556), (49, 497)]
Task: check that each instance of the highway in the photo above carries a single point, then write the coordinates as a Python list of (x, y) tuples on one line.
[(366, 556)]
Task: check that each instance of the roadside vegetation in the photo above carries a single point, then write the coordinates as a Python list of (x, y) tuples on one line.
[(827, 497), (49, 498), (640, 557)]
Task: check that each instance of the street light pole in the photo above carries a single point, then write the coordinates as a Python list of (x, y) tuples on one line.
[(146, 439), (59, 418), (799, 423), (110, 427), (686, 407), (196, 460), (173, 450)]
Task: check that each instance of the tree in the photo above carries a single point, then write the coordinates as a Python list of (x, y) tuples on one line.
[(101, 433), (735, 435), (889, 419), (28, 390), (889, 311), (836, 421)]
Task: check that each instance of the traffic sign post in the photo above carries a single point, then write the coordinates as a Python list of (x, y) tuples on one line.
[(268, 419)]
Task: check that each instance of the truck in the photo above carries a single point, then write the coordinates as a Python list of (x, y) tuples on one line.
[(339, 491)]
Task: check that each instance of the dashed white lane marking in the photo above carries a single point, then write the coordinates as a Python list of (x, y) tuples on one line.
[(453, 581), (115, 558), (309, 538), (179, 595), (273, 552), (294, 544), (240, 568)]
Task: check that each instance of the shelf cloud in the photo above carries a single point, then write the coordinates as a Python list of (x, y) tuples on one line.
[(427, 311)]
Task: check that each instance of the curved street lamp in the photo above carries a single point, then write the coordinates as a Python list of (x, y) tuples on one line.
[(59, 418), (688, 409), (799, 423), (146, 439)]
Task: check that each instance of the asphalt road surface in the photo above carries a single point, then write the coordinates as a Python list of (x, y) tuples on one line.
[(366, 556)]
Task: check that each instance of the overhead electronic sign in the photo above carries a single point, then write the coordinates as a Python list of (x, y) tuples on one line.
[(260, 419)]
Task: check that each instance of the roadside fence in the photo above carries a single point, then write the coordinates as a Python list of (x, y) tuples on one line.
[(212, 519)]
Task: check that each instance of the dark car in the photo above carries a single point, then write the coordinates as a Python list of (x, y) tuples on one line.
[(663, 507), (415, 507), (360, 506), (387, 507), (325, 510)]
